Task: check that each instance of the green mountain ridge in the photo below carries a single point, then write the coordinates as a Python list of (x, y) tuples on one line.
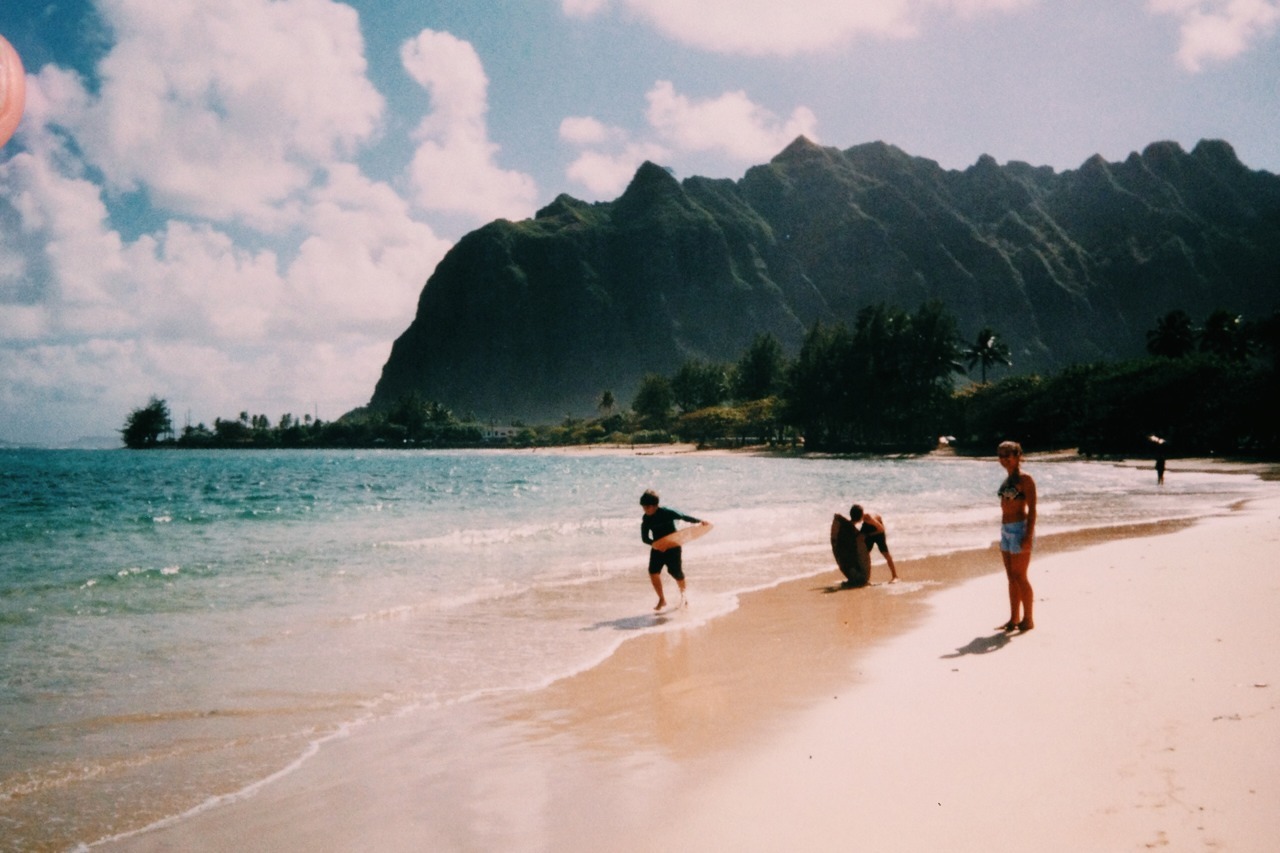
[(534, 319)]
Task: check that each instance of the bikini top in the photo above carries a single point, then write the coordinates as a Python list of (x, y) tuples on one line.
[(1009, 491)]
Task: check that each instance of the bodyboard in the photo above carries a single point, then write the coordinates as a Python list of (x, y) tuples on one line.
[(681, 536), (850, 550)]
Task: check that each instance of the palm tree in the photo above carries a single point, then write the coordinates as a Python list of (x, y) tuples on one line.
[(1224, 335), (605, 405), (1173, 336), (987, 350)]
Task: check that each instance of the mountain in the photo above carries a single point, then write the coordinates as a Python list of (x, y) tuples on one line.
[(534, 319)]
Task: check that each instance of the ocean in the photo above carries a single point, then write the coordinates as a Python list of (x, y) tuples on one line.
[(177, 627)]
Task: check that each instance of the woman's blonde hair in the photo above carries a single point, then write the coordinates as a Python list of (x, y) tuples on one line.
[(1009, 448)]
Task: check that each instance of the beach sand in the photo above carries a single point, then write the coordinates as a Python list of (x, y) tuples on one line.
[(1141, 713)]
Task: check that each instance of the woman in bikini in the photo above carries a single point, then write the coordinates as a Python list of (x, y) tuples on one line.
[(1017, 533)]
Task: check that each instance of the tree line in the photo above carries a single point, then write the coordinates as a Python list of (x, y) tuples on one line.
[(411, 422), (1204, 390), (895, 381), (898, 381)]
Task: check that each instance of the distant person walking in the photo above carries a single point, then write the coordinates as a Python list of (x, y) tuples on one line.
[(873, 534), (1017, 534), (659, 521)]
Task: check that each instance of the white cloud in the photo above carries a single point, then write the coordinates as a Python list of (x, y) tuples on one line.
[(454, 168), (187, 313), (225, 110), (607, 174), (771, 28), (584, 130), (582, 8), (364, 263), (65, 262), (968, 8), (731, 124), (1218, 30)]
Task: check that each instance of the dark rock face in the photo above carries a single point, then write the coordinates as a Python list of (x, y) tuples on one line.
[(535, 319)]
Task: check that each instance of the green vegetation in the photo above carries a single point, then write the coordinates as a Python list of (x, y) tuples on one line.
[(1205, 391), (146, 426), (412, 423), (886, 385)]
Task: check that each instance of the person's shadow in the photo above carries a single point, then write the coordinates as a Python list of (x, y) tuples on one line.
[(841, 587), (631, 623), (981, 645)]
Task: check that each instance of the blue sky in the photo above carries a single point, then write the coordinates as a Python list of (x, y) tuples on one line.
[(234, 204)]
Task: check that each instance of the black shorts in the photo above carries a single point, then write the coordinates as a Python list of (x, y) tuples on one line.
[(878, 540), (669, 558)]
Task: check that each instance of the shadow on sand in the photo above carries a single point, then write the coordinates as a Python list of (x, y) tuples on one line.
[(981, 645), (631, 623), (842, 587)]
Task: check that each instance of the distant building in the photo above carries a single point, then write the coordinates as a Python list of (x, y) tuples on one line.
[(499, 434)]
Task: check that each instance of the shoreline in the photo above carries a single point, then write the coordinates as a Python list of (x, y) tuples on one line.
[(607, 752), (1265, 468)]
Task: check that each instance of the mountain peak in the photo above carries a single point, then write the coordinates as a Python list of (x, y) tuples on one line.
[(801, 148), (1217, 152), (985, 164), (649, 173), (564, 205), (652, 187)]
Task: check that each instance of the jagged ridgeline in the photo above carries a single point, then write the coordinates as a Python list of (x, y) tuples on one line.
[(535, 319)]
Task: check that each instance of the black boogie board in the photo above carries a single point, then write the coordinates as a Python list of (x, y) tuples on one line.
[(850, 551)]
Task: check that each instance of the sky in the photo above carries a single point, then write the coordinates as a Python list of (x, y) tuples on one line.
[(233, 205)]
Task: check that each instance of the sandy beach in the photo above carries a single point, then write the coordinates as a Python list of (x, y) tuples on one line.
[(1141, 713)]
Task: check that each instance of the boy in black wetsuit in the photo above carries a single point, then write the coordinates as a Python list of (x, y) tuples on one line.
[(660, 521)]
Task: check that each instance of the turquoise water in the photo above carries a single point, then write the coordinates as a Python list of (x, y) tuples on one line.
[(176, 626)]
